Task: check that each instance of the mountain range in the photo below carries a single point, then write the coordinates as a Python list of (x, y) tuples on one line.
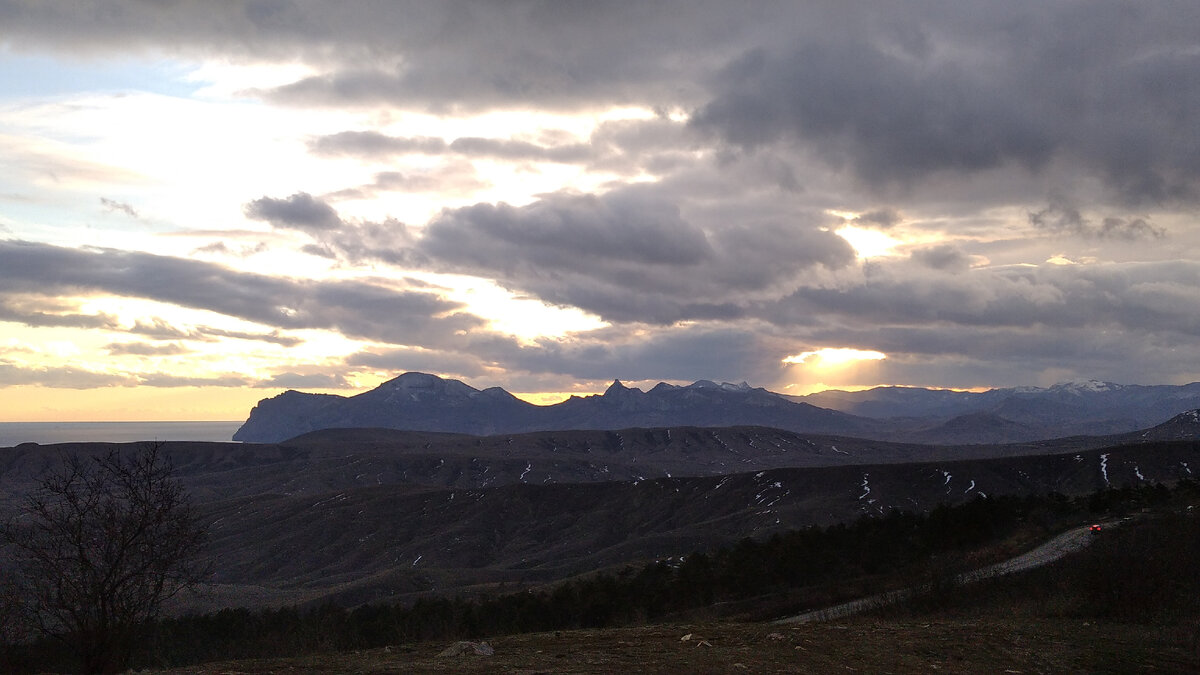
[(423, 402)]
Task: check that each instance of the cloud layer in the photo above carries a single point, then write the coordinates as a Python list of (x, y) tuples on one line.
[(989, 194)]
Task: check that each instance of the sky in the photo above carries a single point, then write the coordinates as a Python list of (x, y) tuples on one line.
[(205, 204)]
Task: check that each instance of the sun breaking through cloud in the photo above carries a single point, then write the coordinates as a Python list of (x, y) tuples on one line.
[(832, 357)]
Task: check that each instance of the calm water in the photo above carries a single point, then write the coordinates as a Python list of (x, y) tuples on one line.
[(13, 433)]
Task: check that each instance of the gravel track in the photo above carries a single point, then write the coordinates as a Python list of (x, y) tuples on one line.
[(1053, 549)]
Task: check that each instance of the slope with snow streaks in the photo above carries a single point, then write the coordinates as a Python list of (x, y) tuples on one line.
[(348, 542)]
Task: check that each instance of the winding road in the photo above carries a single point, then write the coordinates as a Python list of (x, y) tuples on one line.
[(1048, 552)]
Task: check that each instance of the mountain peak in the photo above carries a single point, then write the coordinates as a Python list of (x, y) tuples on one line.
[(421, 387), (413, 380), (617, 389)]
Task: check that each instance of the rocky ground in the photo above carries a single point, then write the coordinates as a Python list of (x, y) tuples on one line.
[(864, 644)]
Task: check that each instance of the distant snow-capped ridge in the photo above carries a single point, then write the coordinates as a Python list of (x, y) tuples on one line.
[(1073, 386)]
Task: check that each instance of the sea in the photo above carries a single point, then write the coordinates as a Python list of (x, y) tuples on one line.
[(46, 433)]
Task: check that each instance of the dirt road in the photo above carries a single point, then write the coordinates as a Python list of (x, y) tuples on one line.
[(1067, 542)]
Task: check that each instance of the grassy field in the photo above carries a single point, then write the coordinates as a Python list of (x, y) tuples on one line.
[(989, 644)]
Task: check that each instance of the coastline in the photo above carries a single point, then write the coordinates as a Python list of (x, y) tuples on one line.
[(48, 433)]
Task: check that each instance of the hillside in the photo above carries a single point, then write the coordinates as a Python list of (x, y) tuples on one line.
[(1121, 604), (368, 514), (340, 459), (389, 542)]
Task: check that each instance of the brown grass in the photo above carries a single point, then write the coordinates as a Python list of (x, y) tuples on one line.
[(991, 644)]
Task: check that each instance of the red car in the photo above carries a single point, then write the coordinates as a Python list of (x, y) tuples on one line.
[(1095, 528)]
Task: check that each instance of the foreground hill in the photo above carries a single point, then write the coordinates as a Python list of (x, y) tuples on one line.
[(392, 542), (1124, 603), (421, 402)]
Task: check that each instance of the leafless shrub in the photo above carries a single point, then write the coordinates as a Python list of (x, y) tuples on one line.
[(100, 544)]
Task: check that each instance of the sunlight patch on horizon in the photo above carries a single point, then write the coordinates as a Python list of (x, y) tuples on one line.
[(832, 357), (832, 368), (798, 389)]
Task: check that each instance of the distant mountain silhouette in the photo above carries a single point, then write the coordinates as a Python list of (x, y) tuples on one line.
[(1014, 414), (423, 402)]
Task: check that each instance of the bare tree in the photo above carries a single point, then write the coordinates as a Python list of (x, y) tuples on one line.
[(101, 544)]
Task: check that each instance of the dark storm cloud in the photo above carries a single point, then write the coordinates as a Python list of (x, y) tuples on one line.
[(475, 56), (883, 114), (1137, 297), (884, 219), (685, 353), (949, 111), (389, 241), (560, 229), (1060, 218), (626, 255), (625, 146), (353, 308), (300, 211), (942, 257), (690, 353), (451, 55), (1112, 88), (967, 356), (897, 92)]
